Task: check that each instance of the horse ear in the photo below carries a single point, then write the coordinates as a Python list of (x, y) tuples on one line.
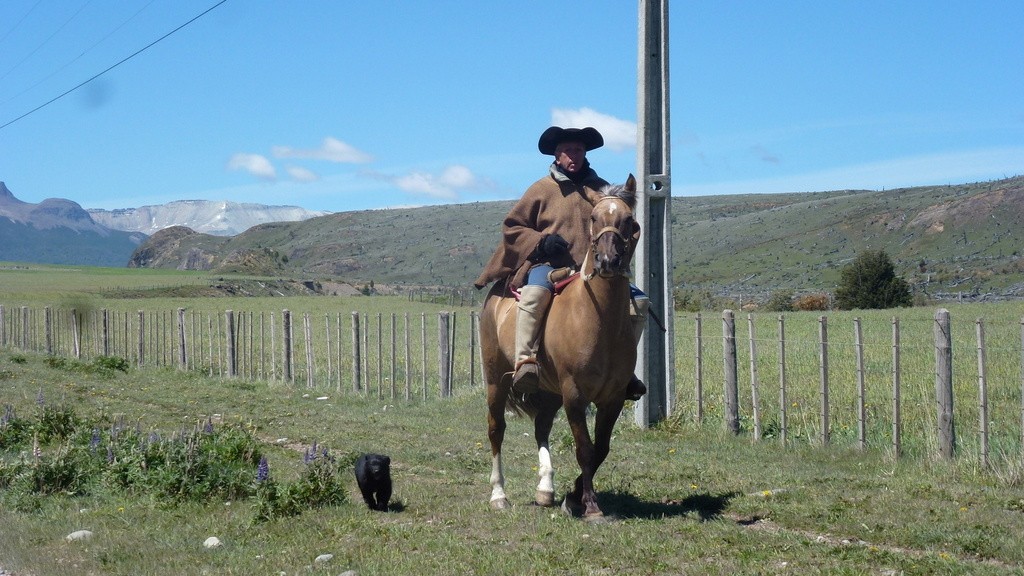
[(593, 196), (631, 183)]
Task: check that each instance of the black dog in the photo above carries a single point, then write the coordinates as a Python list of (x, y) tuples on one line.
[(373, 473)]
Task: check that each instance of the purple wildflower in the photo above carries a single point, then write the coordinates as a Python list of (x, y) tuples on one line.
[(311, 453), (208, 428), (110, 454), (263, 470), (95, 440), (40, 399), (8, 415)]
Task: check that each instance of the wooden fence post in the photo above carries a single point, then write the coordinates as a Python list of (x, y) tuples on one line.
[(732, 409), (783, 408), (897, 414), (209, 339), (380, 357), (1022, 388), (106, 331), (451, 350), (230, 344), (423, 355), (286, 352), (755, 394), (408, 362), (76, 334), (944, 382), (141, 348), (444, 353), (3, 326), (862, 417), (182, 345), (472, 348), (307, 331), (341, 359), (982, 392), (357, 365), (394, 361), (48, 326), (698, 368), (826, 431), (24, 327)]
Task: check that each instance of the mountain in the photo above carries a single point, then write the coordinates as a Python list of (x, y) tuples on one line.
[(943, 239), (217, 218), (59, 231)]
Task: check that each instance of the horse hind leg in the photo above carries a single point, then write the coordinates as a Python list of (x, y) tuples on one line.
[(499, 501), (545, 493)]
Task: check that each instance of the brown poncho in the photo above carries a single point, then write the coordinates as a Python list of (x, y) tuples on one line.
[(553, 204)]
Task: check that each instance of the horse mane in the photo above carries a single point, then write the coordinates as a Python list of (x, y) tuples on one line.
[(621, 192)]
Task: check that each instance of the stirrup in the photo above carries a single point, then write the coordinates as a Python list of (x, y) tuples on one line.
[(526, 380)]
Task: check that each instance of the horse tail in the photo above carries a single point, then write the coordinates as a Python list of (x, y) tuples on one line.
[(530, 404)]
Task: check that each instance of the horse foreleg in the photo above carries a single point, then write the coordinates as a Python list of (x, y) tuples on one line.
[(545, 494), (496, 435), (604, 424), (583, 498)]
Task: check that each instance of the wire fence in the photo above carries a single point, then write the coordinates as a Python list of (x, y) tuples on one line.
[(912, 385)]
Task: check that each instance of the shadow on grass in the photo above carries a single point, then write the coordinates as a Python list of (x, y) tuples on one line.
[(624, 505)]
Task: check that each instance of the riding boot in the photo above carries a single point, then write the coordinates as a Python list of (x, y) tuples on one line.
[(533, 304), (638, 316)]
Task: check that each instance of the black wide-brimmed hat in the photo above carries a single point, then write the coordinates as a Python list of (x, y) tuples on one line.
[(555, 135)]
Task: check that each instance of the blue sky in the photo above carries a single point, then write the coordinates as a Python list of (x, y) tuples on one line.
[(340, 105)]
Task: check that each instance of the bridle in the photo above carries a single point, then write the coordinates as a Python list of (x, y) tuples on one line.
[(594, 237)]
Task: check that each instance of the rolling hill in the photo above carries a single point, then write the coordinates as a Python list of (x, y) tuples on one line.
[(952, 239)]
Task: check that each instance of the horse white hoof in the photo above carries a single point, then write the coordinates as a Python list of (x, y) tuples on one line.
[(500, 504), (544, 498)]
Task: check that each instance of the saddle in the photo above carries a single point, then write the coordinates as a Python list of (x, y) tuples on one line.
[(559, 278)]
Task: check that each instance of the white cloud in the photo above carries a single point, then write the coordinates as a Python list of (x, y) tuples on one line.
[(254, 164), (446, 185), (425, 184), (330, 150), (618, 134), (300, 174)]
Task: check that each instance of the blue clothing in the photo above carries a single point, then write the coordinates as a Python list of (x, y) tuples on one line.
[(538, 276)]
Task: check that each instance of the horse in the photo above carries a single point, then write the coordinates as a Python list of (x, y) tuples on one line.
[(587, 356)]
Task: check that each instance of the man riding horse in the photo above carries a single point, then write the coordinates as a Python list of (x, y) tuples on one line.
[(548, 230)]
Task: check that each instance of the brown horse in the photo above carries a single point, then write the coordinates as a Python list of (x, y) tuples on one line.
[(587, 355)]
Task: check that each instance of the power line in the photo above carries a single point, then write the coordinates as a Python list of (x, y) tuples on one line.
[(76, 58), (18, 23), (122, 61), (47, 41)]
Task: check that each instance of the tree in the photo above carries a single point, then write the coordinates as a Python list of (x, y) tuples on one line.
[(870, 282)]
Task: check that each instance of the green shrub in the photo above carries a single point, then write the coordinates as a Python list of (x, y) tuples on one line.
[(870, 283), (60, 453), (780, 301), (319, 486)]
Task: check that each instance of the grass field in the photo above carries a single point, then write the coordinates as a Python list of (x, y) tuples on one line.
[(683, 497)]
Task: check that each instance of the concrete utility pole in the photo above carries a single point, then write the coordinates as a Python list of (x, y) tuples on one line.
[(655, 359)]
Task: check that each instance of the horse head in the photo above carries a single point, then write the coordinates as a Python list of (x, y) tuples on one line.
[(613, 229)]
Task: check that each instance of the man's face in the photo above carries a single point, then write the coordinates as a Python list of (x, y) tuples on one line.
[(570, 155)]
